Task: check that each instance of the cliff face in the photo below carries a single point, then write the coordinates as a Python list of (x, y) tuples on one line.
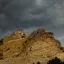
[(39, 46), (12, 45)]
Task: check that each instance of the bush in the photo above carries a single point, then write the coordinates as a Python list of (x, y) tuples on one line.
[(55, 61)]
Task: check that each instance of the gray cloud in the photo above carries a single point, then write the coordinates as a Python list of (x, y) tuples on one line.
[(32, 13)]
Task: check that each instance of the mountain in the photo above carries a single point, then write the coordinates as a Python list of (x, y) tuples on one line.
[(40, 46)]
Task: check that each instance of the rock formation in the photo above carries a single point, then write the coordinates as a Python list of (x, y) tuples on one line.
[(39, 47), (12, 45)]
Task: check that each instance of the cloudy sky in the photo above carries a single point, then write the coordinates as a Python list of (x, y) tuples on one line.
[(32, 14)]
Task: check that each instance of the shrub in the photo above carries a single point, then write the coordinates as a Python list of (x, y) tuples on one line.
[(55, 61)]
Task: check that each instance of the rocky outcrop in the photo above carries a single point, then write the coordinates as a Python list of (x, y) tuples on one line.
[(15, 35), (13, 44), (40, 46)]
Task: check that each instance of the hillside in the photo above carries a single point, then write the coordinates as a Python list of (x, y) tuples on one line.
[(40, 46)]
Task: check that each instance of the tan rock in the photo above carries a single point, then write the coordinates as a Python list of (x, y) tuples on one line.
[(12, 45), (15, 35), (61, 56), (39, 46)]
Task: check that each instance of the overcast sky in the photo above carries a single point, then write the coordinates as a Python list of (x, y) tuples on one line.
[(32, 14)]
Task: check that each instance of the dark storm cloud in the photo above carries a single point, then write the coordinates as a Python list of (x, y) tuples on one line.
[(31, 13), (24, 11)]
